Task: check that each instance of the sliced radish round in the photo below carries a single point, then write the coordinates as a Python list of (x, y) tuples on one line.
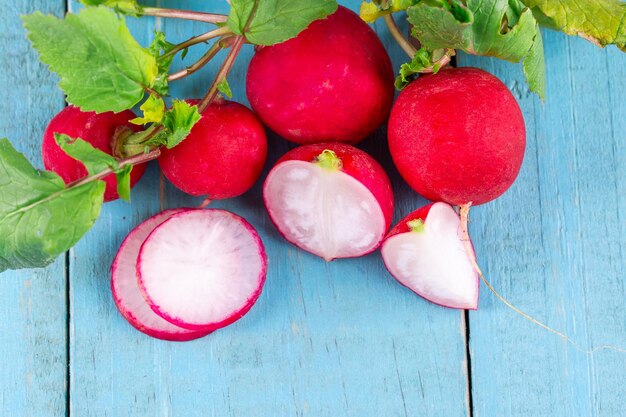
[(202, 269), (126, 292), (330, 199), (426, 253)]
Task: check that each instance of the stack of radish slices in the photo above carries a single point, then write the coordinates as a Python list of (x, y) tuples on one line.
[(185, 273)]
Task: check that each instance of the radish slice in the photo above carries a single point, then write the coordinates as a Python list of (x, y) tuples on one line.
[(425, 252), (332, 200), (202, 269), (126, 292)]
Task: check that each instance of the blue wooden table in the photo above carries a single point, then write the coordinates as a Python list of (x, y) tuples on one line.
[(343, 338)]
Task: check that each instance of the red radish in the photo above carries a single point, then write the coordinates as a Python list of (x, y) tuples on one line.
[(330, 199), (92, 127), (223, 155), (202, 269), (426, 253), (127, 295), (333, 82), (457, 136)]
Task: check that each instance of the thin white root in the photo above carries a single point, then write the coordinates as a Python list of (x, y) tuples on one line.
[(464, 213)]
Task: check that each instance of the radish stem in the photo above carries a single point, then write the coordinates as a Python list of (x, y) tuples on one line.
[(221, 75), (198, 39), (210, 53), (402, 41), (184, 14)]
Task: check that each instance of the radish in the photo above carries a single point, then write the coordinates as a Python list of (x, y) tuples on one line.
[(330, 199), (331, 83), (457, 136), (126, 292), (202, 269), (92, 127), (426, 252), (222, 156)]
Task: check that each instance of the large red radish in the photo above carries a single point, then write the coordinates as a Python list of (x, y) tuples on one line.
[(222, 156), (426, 252), (457, 136), (330, 199), (331, 83), (202, 269), (97, 129), (125, 288)]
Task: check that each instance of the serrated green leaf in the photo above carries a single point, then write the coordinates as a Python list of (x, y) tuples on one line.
[(153, 110), (178, 122), (505, 29), (39, 217), (422, 60), (602, 22), (101, 66), (123, 182), (158, 48), (129, 7), (224, 88), (275, 21), (94, 159)]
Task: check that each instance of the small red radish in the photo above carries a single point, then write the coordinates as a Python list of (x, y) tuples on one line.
[(92, 127), (457, 136), (426, 252), (127, 295), (330, 199), (202, 269), (223, 155), (331, 83)]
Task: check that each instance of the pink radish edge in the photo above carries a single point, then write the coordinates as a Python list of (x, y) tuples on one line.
[(236, 315)]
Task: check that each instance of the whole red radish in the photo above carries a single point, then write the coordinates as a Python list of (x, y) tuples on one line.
[(92, 127), (330, 199), (333, 82), (223, 155), (457, 136), (202, 269), (426, 252), (127, 294)]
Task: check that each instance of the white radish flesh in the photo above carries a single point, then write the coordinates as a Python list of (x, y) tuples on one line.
[(202, 269), (126, 292)]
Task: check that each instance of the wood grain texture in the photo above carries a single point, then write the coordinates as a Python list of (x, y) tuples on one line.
[(32, 302), (554, 245), (323, 340)]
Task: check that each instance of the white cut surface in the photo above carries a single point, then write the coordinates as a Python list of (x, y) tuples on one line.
[(126, 292), (434, 262), (325, 212), (202, 266)]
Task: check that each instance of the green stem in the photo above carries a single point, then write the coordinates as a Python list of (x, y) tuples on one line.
[(213, 50), (198, 39), (397, 35), (185, 14), (221, 75)]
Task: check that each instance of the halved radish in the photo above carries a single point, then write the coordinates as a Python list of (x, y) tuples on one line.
[(426, 253), (125, 289), (202, 269), (330, 199)]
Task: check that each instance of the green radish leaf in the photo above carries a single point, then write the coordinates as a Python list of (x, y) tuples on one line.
[(178, 122), (39, 217), (129, 7), (158, 48), (505, 29), (153, 111), (123, 182), (94, 159), (101, 66), (275, 21), (422, 60), (224, 88), (602, 22), (370, 11)]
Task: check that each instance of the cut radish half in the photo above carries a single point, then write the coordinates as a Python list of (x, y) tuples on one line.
[(126, 292), (330, 199), (426, 253), (202, 269)]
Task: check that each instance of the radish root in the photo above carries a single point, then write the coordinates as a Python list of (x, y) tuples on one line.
[(464, 213)]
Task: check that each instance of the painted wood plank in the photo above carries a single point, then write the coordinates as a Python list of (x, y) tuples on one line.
[(323, 340), (32, 302), (554, 245)]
